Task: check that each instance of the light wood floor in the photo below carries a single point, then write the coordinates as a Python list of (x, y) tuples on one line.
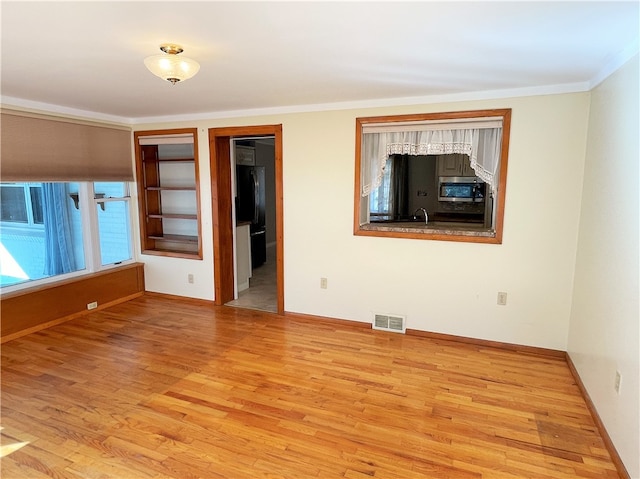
[(165, 388)]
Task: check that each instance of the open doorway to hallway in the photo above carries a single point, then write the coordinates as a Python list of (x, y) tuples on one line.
[(255, 213)]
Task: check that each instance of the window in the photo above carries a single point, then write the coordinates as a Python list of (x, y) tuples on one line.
[(439, 176), (21, 203), (111, 203), (52, 230)]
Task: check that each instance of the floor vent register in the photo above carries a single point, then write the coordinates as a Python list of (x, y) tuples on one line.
[(391, 323)]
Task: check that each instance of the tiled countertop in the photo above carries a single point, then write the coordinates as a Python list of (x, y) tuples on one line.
[(435, 227)]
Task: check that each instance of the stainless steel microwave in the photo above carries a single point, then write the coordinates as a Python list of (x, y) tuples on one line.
[(470, 189)]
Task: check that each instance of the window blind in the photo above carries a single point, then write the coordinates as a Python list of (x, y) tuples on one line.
[(39, 147)]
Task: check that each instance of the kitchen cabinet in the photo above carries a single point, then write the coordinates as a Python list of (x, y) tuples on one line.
[(455, 165), (245, 155), (169, 192), (243, 255)]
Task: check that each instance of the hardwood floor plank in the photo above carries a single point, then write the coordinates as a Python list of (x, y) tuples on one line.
[(161, 387)]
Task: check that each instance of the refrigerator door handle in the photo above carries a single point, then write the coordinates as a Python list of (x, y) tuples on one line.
[(256, 192)]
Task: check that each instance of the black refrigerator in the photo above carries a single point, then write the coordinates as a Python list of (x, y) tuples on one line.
[(250, 206)]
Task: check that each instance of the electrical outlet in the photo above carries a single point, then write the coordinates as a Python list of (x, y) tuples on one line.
[(502, 298), (93, 305), (323, 283), (618, 380), (190, 278)]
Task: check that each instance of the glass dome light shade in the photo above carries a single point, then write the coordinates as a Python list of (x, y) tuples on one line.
[(171, 67)]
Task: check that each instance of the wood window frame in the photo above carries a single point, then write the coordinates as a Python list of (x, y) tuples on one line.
[(440, 234)]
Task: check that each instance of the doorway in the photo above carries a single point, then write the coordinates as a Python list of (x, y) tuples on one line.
[(255, 218), (224, 202)]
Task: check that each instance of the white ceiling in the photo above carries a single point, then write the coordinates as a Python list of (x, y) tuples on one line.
[(288, 56)]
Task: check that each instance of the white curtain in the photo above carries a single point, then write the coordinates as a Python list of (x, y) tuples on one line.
[(481, 145), (381, 198), (485, 159)]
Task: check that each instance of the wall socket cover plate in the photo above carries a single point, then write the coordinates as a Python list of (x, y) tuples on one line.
[(502, 298)]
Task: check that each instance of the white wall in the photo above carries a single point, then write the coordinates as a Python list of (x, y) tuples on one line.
[(445, 287), (604, 331)]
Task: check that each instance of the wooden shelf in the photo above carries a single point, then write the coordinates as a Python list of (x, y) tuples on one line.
[(172, 216), (173, 253), (183, 160), (157, 236), (176, 238)]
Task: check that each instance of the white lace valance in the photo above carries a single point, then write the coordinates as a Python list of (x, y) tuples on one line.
[(481, 145)]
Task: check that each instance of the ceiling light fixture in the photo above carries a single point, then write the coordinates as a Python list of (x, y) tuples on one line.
[(171, 67)]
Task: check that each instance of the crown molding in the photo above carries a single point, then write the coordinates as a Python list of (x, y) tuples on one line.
[(372, 103), (615, 63), (49, 108)]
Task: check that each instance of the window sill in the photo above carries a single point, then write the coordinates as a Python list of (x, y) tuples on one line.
[(51, 282), (443, 231)]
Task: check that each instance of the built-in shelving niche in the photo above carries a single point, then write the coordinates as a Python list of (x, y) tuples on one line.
[(169, 192)]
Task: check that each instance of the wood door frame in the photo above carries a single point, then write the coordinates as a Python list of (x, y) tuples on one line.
[(222, 207)]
